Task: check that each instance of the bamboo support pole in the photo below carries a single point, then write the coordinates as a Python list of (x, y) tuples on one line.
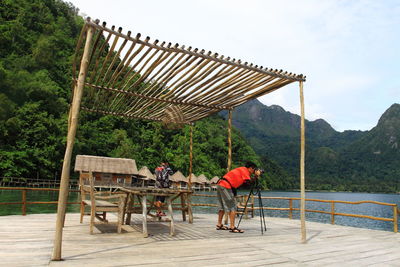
[(332, 212), (189, 196), (229, 140), (302, 167), (190, 158), (63, 195)]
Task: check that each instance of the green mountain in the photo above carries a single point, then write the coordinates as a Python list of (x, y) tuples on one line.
[(349, 160)]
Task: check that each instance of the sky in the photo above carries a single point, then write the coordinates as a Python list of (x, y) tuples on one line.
[(349, 50)]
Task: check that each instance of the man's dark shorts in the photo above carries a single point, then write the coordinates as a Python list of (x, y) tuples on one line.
[(226, 199)]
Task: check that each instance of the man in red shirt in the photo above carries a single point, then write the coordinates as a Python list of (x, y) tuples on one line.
[(226, 192)]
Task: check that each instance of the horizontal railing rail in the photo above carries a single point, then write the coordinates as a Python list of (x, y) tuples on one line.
[(332, 212), (24, 203), (242, 199)]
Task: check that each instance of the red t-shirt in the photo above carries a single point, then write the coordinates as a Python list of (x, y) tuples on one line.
[(236, 177)]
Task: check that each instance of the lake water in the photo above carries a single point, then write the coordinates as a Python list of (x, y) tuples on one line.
[(364, 209)]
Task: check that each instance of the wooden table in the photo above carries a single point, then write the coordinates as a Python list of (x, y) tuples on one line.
[(143, 194)]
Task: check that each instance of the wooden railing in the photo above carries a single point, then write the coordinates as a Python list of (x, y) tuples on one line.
[(241, 199), (251, 208), (24, 202)]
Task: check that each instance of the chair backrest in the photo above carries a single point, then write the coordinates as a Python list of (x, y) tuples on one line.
[(88, 189)]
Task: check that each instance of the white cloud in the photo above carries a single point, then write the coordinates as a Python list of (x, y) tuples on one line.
[(347, 49)]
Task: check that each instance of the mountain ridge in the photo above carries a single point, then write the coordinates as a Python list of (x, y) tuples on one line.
[(331, 156)]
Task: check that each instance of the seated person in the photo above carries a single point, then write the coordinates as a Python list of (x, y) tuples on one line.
[(162, 173)]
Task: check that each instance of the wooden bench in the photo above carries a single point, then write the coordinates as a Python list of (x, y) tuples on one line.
[(100, 204)]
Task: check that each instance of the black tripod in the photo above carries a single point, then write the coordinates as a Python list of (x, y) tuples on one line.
[(256, 191)]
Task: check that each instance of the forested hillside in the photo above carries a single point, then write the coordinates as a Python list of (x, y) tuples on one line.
[(37, 41)]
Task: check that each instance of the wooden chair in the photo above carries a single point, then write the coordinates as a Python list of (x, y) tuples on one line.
[(100, 204)]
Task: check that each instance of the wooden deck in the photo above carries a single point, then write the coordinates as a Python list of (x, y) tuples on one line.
[(28, 241)]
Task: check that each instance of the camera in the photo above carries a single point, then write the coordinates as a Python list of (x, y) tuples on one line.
[(261, 171)]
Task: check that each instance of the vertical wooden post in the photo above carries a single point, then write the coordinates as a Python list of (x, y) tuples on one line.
[(74, 114), (290, 208), (144, 214), (229, 165), (395, 226), (332, 212), (302, 170), (190, 158), (183, 206), (189, 196), (229, 140), (23, 202)]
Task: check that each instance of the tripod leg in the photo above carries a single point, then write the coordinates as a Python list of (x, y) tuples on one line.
[(262, 217), (245, 206), (260, 206)]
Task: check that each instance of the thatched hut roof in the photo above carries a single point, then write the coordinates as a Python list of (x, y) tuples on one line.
[(214, 180), (144, 171), (105, 164), (194, 179), (178, 177), (203, 179)]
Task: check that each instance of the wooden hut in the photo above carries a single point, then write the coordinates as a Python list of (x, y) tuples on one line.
[(106, 170), (147, 177), (213, 182), (179, 180), (204, 183), (196, 184)]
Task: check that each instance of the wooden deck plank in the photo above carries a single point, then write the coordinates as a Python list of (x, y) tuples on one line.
[(28, 241)]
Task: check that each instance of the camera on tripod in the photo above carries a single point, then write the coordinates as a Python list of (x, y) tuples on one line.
[(260, 170)]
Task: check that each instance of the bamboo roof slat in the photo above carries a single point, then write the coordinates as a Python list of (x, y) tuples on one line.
[(138, 78)]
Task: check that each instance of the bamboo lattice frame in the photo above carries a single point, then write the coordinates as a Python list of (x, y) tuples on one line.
[(134, 78)]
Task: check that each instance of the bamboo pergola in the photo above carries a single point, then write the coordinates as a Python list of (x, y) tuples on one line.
[(123, 75)]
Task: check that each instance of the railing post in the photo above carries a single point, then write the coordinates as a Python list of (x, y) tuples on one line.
[(23, 202), (332, 212), (290, 208), (395, 219)]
